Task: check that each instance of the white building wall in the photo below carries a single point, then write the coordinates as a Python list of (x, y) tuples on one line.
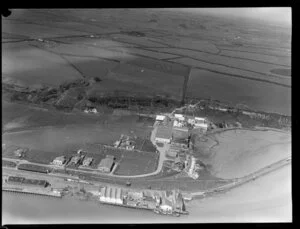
[(164, 140), (113, 195), (118, 196), (178, 115), (160, 117), (166, 207)]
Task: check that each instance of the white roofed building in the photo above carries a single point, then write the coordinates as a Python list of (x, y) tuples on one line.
[(160, 118), (201, 123)]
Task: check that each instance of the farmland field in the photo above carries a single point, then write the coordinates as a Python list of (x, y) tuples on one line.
[(26, 65), (156, 62), (256, 95), (281, 71)]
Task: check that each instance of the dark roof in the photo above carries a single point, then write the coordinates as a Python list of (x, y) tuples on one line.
[(172, 153), (110, 156), (16, 179), (180, 141), (180, 134), (164, 132), (27, 181)]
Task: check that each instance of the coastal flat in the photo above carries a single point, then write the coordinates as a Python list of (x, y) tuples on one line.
[(237, 153)]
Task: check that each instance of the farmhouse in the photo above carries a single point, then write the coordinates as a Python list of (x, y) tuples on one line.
[(20, 152), (87, 161), (59, 160), (198, 122), (106, 164), (75, 160), (163, 134)]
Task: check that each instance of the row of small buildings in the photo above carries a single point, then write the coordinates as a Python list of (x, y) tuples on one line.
[(106, 165)]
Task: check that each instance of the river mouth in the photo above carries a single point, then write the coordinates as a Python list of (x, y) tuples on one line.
[(282, 71)]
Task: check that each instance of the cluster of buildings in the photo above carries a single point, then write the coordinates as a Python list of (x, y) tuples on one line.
[(78, 159), (90, 110), (176, 131), (125, 142), (191, 167), (20, 152), (178, 127), (165, 201)]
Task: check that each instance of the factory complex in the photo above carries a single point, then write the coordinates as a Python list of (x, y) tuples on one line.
[(161, 202), (177, 128)]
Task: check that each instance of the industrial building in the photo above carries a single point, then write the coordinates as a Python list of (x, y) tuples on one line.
[(106, 164), (60, 160), (111, 195), (164, 134)]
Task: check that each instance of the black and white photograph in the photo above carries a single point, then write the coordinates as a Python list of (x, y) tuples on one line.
[(146, 115)]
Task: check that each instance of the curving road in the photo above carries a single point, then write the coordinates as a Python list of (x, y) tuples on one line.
[(161, 150)]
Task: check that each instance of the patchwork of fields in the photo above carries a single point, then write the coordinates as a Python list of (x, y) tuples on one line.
[(155, 61)]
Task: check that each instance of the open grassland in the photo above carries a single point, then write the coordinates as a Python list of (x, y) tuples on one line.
[(68, 136), (236, 153), (136, 163)]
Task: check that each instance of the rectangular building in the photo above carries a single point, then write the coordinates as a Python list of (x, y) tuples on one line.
[(106, 165), (164, 134)]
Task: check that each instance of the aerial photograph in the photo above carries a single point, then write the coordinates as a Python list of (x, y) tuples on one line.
[(146, 115)]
